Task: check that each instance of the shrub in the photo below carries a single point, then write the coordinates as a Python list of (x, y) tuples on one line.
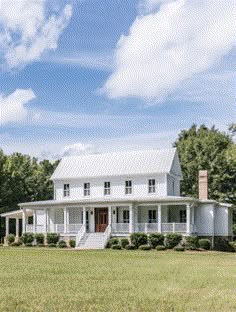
[(145, 247), (116, 246), (234, 230), (138, 239), (52, 245), (27, 238), (204, 243), (192, 242), (112, 241), (62, 244), (233, 245), (10, 238), (160, 247), (52, 238), (16, 244), (72, 243), (29, 245), (124, 242), (130, 247), (39, 237), (223, 244), (41, 245), (172, 240), (156, 239), (179, 248)]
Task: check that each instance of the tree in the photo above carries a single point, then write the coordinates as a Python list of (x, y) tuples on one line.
[(208, 149), (232, 128)]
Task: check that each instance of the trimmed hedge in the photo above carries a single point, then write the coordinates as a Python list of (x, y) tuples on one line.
[(156, 239), (138, 239), (27, 238), (10, 238), (145, 247), (172, 240), (205, 243), (62, 244), (179, 248), (130, 247), (233, 245), (112, 241), (52, 245), (72, 243), (39, 237), (192, 242), (116, 246), (53, 238), (29, 245), (124, 242), (16, 244), (223, 244), (160, 247)]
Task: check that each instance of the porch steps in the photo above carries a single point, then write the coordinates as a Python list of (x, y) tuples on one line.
[(92, 241)]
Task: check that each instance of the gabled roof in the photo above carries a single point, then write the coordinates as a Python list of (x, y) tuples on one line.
[(117, 164)]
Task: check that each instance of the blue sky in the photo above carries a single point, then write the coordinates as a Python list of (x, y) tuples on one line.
[(93, 76)]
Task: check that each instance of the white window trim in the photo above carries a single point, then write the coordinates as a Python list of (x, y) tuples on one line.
[(66, 191), (107, 189), (129, 187), (152, 186), (87, 189)]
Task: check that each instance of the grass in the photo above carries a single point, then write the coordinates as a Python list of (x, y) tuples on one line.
[(34, 279)]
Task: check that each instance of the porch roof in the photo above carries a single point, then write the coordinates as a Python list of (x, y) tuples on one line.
[(12, 214), (86, 201)]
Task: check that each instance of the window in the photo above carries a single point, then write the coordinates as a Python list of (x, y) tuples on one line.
[(182, 216), (86, 189), (151, 186), (107, 188), (152, 216), (125, 216), (66, 190), (128, 187)]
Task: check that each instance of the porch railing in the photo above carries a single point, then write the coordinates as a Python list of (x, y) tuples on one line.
[(146, 227), (149, 227), (120, 228), (73, 228), (174, 227)]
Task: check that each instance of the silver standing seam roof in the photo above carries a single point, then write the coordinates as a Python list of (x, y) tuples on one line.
[(117, 164)]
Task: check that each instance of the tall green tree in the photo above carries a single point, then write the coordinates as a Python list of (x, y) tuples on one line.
[(203, 148)]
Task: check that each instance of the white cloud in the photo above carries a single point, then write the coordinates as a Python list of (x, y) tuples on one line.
[(27, 30), (77, 149), (170, 46), (13, 106)]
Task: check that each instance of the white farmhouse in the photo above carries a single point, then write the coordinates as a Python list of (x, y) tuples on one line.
[(114, 194)]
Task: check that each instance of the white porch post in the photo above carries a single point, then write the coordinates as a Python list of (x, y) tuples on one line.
[(109, 215), (159, 218), (65, 219), (7, 226), (34, 221), (17, 227), (46, 220), (188, 215), (131, 219), (24, 220), (84, 217)]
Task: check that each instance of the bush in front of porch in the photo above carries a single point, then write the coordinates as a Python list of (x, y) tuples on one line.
[(27, 238), (138, 239), (39, 237), (156, 239), (52, 238), (172, 240)]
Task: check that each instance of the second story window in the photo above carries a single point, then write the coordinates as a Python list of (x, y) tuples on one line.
[(128, 187), (107, 188), (66, 191), (86, 189), (151, 186)]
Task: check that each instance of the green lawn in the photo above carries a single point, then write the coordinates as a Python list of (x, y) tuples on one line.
[(113, 280)]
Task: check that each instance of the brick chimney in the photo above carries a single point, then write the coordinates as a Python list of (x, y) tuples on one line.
[(203, 184)]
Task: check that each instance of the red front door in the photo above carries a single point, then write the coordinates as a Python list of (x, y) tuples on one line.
[(101, 219)]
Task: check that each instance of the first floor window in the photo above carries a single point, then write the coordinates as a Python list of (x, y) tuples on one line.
[(66, 190), (128, 187), (151, 186), (107, 188), (152, 216), (182, 216), (125, 216), (86, 189)]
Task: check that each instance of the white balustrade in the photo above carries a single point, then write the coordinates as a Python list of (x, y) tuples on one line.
[(107, 235), (29, 228), (80, 234), (120, 228), (73, 228)]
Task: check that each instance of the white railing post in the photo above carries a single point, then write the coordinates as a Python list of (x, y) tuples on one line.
[(17, 227), (34, 221), (188, 217), (159, 218), (109, 215), (46, 219), (84, 217), (65, 220), (24, 220), (7, 226), (131, 219), (173, 227)]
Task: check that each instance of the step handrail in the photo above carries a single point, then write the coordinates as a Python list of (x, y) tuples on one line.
[(107, 234), (80, 234)]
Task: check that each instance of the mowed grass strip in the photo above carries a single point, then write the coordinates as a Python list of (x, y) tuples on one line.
[(113, 280)]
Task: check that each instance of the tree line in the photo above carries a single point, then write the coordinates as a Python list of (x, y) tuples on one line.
[(24, 178)]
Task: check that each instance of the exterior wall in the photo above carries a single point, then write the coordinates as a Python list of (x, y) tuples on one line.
[(204, 219), (222, 221), (143, 213), (173, 186), (140, 187)]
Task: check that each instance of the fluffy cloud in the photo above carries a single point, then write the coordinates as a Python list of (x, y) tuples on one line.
[(27, 30), (13, 107), (171, 45), (77, 149)]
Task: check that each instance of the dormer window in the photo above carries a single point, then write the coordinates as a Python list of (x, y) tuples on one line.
[(128, 187), (151, 186), (107, 188), (86, 189), (66, 192)]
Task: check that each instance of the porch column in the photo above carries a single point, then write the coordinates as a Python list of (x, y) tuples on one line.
[(46, 219), (17, 227), (24, 220), (65, 219), (131, 219), (188, 218), (109, 215), (159, 218), (84, 217), (7, 226), (34, 221)]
